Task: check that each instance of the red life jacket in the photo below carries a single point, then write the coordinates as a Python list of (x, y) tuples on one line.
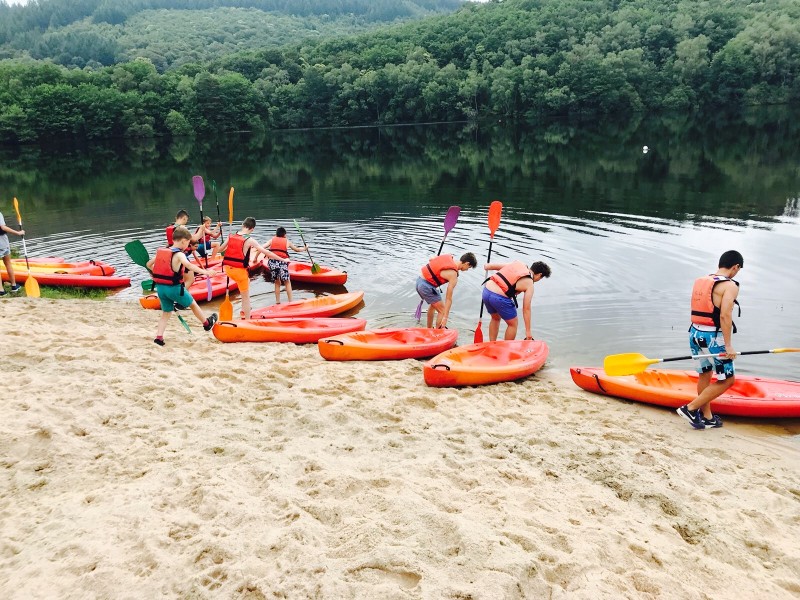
[(234, 253), (280, 246), (163, 272), (170, 230), (704, 311), (432, 272), (508, 277)]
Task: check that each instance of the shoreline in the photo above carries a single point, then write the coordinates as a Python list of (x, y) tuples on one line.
[(238, 470)]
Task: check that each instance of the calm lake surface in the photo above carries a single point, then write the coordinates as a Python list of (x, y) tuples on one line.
[(625, 232)]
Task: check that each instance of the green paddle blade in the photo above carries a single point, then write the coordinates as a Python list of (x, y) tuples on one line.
[(148, 285), (185, 324), (630, 363), (137, 252)]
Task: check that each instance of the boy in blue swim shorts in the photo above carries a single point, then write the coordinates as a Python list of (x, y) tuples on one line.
[(713, 299), (500, 295)]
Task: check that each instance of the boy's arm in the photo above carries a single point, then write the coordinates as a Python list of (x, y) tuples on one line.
[(8, 229), (494, 266), (526, 310), (149, 264), (297, 249), (729, 294), (266, 252), (452, 280)]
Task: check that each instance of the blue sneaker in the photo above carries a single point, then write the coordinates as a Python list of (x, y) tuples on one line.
[(713, 422), (15, 288), (693, 416)]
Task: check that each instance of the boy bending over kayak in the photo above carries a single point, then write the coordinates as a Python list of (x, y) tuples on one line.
[(441, 270), (168, 267), (500, 295), (237, 258), (278, 269)]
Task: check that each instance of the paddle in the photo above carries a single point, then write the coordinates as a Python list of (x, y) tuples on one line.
[(495, 209), (226, 308), (449, 222), (219, 219), (199, 193), (138, 254), (633, 362), (31, 285), (314, 266)]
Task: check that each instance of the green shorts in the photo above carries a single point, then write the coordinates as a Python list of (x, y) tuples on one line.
[(170, 295)]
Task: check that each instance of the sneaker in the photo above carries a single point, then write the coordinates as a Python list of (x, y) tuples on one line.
[(211, 320), (159, 342), (2, 292), (15, 288), (693, 416), (713, 422)]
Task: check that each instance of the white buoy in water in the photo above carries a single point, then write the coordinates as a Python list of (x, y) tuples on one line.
[(645, 149)]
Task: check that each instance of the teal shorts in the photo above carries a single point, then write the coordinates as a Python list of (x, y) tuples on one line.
[(170, 295)]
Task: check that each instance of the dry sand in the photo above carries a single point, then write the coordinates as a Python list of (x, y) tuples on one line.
[(203, 470)]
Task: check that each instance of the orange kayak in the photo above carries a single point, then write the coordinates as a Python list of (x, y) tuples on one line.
[(301, 272), (297, 330), (70, 279), (322, 306), (388, 344), (86, 267), (747, 397), (487, 362), (198, 290)]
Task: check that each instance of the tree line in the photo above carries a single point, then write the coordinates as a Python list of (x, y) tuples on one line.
[(519, 59)]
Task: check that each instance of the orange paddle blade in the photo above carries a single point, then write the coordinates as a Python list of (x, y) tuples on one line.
[(495, 210), (32, 287), (16, 208), (230, 206), (226, 309)]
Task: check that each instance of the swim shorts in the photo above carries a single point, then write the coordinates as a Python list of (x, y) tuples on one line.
[(710, 342), (499, 304), (427, 291), (278, 269), (170, 295), (240, 276)]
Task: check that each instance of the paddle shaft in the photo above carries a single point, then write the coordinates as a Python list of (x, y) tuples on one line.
[(488, 260), (24, 246), (300, 231), (219, 217)]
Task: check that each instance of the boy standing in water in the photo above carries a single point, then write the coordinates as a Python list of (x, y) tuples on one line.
[(713, 298), (279, 269), (441, 270), (500, 295), (5, 254), (168, 267), (237, 258)]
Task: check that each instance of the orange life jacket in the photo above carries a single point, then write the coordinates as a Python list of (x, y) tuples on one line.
[(234, 253), (280, 246), (163, 272), (508, 277), (704, 312), (432, 272)]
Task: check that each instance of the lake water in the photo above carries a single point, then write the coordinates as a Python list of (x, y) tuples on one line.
[(625, 232)]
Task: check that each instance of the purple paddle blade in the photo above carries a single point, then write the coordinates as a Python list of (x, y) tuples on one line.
[(199, 188)]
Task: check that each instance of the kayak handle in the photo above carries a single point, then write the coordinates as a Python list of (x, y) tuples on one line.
[(340, 342), (437, 366), (227, 324)]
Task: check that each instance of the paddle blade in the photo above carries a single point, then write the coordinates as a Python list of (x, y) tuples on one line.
[(185, 324), (137, 252), (478, 337), (450, 218), (199, 188), (418, 312), (230, 206), (779, 350), (226, 309), (214, 186), (32, 287), (209, 291), (148, 285), (16, 208), (315, 268), (495, 210), (627, 364)]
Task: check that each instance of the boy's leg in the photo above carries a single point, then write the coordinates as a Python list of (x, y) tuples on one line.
[(288, 285), (246, 303), (436, 307), (277, 291), (511, 328), (10, 269), (494, 327), (162, 324), (197, 312)]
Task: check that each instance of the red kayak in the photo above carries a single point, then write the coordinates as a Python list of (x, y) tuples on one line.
[(322, 306), (388, 344), (747, 397), (85, 267), (301, 272), (486, 362), (297, 330), (198, 290), (71, 280)]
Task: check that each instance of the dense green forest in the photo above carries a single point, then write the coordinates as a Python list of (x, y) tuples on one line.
[(517, 58)]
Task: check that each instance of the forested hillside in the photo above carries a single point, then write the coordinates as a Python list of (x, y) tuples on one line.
[(516, 58), (98, 33)]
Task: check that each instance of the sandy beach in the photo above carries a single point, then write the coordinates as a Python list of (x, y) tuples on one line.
[(204, 470)]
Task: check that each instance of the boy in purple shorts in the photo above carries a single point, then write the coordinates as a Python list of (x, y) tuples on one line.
[(500, 295), (713, 299)]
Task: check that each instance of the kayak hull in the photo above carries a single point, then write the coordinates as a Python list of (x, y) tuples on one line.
[(748, 396), (322, 306), (71, 280), (486, 362), (86, 267), (388, 344), (296, 330), (198, 290), (301, 272)]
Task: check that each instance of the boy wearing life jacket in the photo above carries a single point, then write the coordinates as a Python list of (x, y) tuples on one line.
[(5, 254), (278, 269), (441, 270), (206, 234), (181, 219), (713, 299), (237, 249), (168, 267), (500, 295)]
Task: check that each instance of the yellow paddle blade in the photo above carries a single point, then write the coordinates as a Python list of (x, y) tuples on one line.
[(16, 208), (779, 350), (32, 287), (226, 309), (627, 364)]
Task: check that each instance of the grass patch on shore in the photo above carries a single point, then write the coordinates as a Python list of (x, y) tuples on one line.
[(71, 293)]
